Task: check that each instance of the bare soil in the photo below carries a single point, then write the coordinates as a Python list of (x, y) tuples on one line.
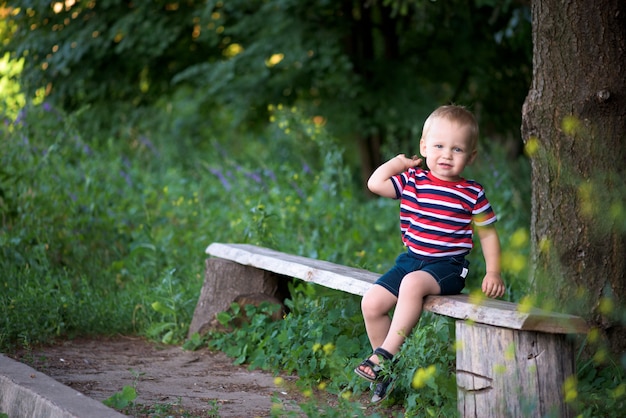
[(166, 378), (173, 382)]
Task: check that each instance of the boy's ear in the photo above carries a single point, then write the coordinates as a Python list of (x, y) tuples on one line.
[(472, 157), (423, 147)]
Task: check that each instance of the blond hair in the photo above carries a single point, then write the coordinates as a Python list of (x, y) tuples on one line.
[(456, 114)]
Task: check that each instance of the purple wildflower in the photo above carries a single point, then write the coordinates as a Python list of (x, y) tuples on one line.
[(148, 144), (270, 174), (20, 116), (221, 178), (255, 177), (298, 190), (126, 177)]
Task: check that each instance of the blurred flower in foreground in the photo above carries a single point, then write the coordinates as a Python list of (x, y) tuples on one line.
[(422, 376)]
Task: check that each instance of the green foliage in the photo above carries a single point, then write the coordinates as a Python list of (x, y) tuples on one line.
[(171, 305), (323, 338), (86, 235), (601, 391), (12, 99), (103, 51), (316, 327), (123, 399), (394, 61)]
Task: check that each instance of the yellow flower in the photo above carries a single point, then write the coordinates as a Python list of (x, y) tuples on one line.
[(423, 376), (593, 335), (606, 306), (570, 389), (477, 297), (619, 391), (499, 369), (317, 347), (526, 304), (532, 146), (328, 348), (571, 125), (600, 356), (276, 407)]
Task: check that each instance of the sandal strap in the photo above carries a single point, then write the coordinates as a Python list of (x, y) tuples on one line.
[(384, 353), (375, 368), (369, 363)]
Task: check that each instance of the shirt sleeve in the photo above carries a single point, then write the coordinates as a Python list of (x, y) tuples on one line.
[(400, 181), (397, 185), (483, 213)]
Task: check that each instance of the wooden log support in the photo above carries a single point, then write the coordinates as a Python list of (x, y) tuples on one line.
[(510, 373), (224, 280), (511, 362)]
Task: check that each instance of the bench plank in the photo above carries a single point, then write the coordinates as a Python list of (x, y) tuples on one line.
[(505, 314), (358, 281), (325, 273)]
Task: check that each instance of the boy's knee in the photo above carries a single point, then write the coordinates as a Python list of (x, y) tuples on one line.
[(365, 303), (372, 305), (420, 284)]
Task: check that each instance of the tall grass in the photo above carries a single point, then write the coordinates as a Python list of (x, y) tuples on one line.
[(105, 235)]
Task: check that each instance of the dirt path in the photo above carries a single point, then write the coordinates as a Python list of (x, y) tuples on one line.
[(166, 378)]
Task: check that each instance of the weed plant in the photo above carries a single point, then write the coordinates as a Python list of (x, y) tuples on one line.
[(105, 235)]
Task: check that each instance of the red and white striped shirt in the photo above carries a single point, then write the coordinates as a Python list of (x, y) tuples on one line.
[(436, 216)]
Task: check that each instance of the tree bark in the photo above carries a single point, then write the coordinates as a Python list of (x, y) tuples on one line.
[(574, 127)]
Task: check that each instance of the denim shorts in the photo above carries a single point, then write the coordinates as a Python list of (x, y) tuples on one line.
[(450, 272)]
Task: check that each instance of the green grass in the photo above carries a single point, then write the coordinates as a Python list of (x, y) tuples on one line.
[(106, 235)]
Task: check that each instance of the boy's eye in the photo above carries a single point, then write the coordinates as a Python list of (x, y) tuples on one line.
[(458, 150)]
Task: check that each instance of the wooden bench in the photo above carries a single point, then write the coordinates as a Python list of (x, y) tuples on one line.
[(510, 362)]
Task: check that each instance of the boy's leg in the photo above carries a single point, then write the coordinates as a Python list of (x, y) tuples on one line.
[(376, 305), (414, 288)]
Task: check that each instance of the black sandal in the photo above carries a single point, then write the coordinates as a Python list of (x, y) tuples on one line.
[(382, 390), (376, 368)]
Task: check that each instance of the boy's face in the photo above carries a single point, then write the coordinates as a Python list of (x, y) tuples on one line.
[(447, 149)]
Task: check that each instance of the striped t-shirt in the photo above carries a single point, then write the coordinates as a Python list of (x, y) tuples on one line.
[(436, 216)]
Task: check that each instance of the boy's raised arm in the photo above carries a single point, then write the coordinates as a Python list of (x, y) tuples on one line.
[(380, 180)]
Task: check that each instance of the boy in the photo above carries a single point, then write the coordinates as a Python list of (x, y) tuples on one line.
[(438, 211)]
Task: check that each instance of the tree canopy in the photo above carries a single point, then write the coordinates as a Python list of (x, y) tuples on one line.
[(373, 70)]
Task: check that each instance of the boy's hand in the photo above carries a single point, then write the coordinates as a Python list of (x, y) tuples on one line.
[(414, 161), (380, 180), (493, 286)]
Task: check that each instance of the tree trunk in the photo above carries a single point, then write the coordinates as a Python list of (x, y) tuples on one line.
[(574, 127)]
